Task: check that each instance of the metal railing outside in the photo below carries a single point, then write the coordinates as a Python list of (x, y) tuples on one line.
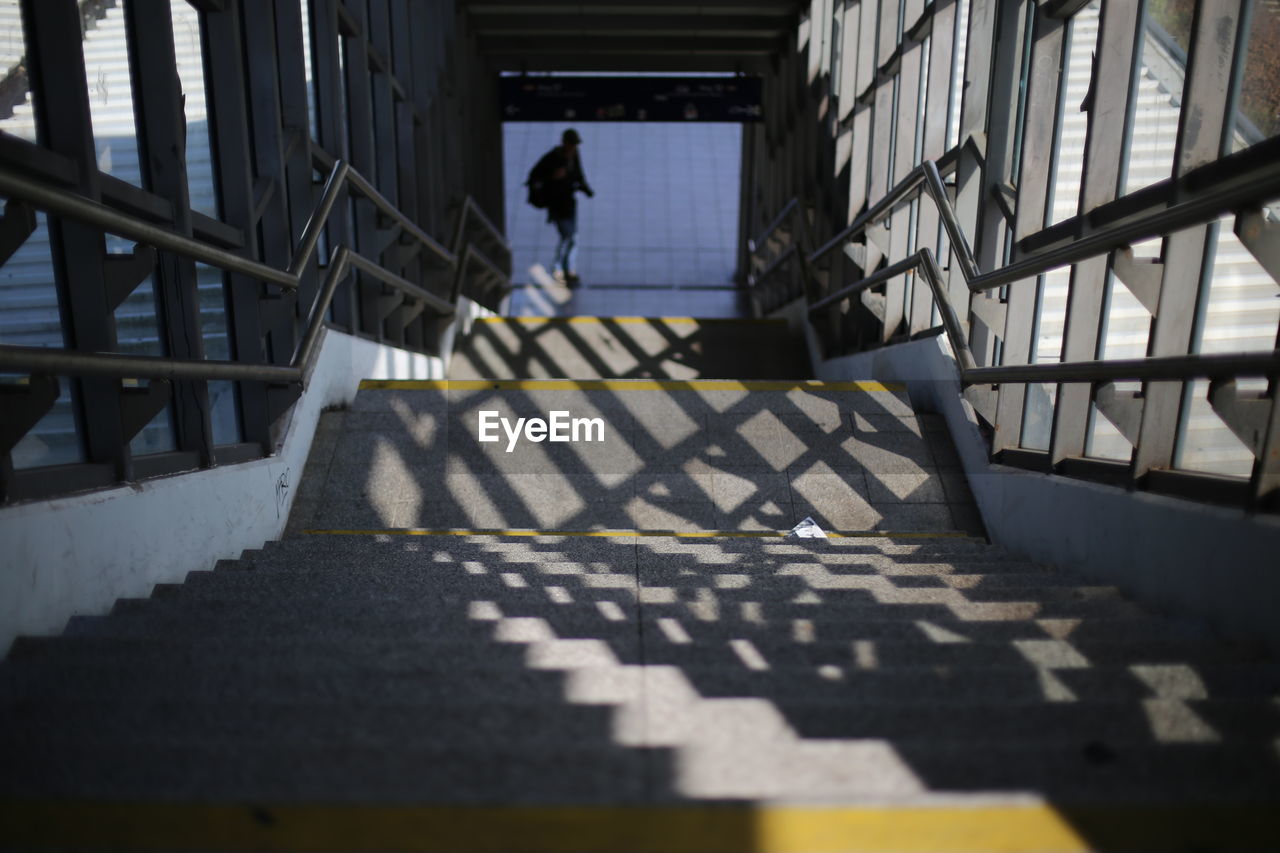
[(1238, 183), (341, 178), (778, 259), (483, 267), (43, 364)]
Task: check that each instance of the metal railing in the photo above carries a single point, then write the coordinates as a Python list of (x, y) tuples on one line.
[(29, 400), (1230, 185), (479, 245), (341, 178), (782, 247)]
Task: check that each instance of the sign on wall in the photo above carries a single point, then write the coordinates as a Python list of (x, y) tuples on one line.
[(721, 99)]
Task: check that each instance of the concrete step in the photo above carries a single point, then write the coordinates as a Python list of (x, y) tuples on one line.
[(578, 608), (149, 722), (710, 550), (509, 579), (244, 725), (607, 773), (628, 347), (383, 614), (711, 676), (939, 626), (711, 559), (341, 773), (977, 578), (662, 643)]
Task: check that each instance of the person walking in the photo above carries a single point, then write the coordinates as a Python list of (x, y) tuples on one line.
[(555, 181)]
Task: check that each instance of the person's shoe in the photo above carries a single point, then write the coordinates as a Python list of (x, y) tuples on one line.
[(572, 279)]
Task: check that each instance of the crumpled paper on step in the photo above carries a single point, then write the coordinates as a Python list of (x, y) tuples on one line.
[(807, 529)]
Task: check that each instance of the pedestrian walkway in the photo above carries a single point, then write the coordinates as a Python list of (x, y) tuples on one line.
[(659, 236)]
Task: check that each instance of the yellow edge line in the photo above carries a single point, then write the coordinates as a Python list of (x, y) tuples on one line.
[(618, 534), (631, 319), (626, 385), (640, 829)]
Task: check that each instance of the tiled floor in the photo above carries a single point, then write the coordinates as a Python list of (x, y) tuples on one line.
[(658, 237)]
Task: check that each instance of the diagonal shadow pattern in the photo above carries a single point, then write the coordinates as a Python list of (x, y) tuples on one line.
[(712, 456), (426, 664), (636, 670), (404, 667), (628, 348)]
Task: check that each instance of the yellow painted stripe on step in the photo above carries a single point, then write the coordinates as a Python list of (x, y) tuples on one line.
[(625, 385), (702, 321), (640, 829), (618, 534)]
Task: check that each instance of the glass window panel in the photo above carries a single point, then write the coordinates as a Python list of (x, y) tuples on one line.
[(1064, 202), (342, 89), (1024, 76), (1051, 313), (822, 35), (1104, 440), (189, 53), (115, 135), (1126, 328), (17, 114), (137, 333), (1162, 54), (210, 282), (836, 46), (1258, 117), (224, 407), (29, 316), (106, 59), (1259, 114), (1241, 313), (1205, 443), (957, 73), (307, 65), (922, 98), (1073, 123)]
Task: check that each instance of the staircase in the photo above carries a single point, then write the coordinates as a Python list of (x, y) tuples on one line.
[(629, 348), (607, 645)]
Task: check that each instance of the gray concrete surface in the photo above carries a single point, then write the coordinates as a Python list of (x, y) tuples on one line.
[(531, 670)]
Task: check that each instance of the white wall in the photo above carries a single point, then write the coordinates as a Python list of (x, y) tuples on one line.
[(1184, 557), (78, 554)]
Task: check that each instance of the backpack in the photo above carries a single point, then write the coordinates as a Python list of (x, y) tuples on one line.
[(537, 188), (537, 193)]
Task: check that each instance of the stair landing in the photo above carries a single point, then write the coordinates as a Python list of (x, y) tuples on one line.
[(673, 456), (629, 347)]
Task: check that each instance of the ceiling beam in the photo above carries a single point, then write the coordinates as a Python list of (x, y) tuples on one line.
[(710, 26), (683, 43), (779, 8), (631, 63)]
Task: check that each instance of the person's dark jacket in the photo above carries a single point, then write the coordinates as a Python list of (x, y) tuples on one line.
[(561, 177)]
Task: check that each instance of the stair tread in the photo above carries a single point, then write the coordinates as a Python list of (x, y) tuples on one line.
[(727, 676), (144, 720), (609, 773), (912, 648)]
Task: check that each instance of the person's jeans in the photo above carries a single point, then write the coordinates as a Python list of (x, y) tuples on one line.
[(567, 248)]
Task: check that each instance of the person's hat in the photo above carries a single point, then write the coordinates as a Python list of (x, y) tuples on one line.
[(571, 137)]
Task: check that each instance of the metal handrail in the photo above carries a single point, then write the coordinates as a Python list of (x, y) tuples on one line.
[(73, 363), (472, 210), (1117, 235), (73, 206), (796, 249), (776, 223)]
